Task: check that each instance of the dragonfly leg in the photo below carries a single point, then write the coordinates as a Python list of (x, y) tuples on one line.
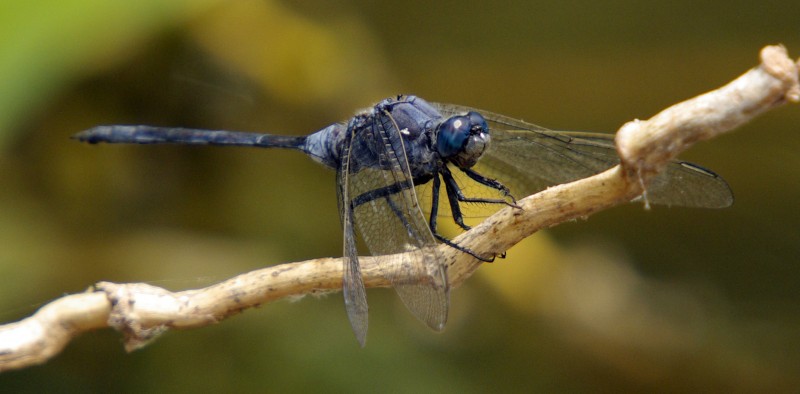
[(381, 192), (454, 195), (454, 191), (397, 212), (441, 238), (386, 193), (486, 182)]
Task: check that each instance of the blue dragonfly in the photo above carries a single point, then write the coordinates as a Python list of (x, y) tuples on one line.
[(383, 155)]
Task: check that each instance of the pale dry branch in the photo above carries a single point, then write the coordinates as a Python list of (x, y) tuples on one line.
[(143, 311)]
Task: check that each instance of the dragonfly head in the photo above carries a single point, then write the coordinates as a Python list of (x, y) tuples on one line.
[(462, 139)]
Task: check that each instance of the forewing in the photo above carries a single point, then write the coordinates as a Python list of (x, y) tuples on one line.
[(528, 158), (355, 297), (390, 221)]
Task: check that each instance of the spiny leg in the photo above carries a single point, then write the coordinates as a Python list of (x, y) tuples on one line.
[(490, 183), (381, 192), (455, 195), (386, 193), (397, 212), (441, 238)]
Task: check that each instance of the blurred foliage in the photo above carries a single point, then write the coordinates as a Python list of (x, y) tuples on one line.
[(668, 300)]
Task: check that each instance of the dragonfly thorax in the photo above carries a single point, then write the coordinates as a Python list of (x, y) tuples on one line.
[(462, 139)]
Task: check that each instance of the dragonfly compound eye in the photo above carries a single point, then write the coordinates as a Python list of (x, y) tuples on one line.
[(453, 135), (462, 139), (477, 123)]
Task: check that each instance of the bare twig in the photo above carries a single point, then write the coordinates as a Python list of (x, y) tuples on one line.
[(143, 311)]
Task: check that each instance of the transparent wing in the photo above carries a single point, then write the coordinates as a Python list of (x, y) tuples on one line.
[(528, 158), (389, 219), (355, 296)]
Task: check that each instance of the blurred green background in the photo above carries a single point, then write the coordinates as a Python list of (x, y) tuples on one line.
[(629, 300)]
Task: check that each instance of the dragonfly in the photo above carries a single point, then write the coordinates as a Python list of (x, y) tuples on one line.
[(384, 155)]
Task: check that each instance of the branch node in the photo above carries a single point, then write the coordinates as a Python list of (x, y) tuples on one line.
[(125, 317)]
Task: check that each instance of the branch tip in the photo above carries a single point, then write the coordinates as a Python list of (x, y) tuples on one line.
[(775, 61)]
